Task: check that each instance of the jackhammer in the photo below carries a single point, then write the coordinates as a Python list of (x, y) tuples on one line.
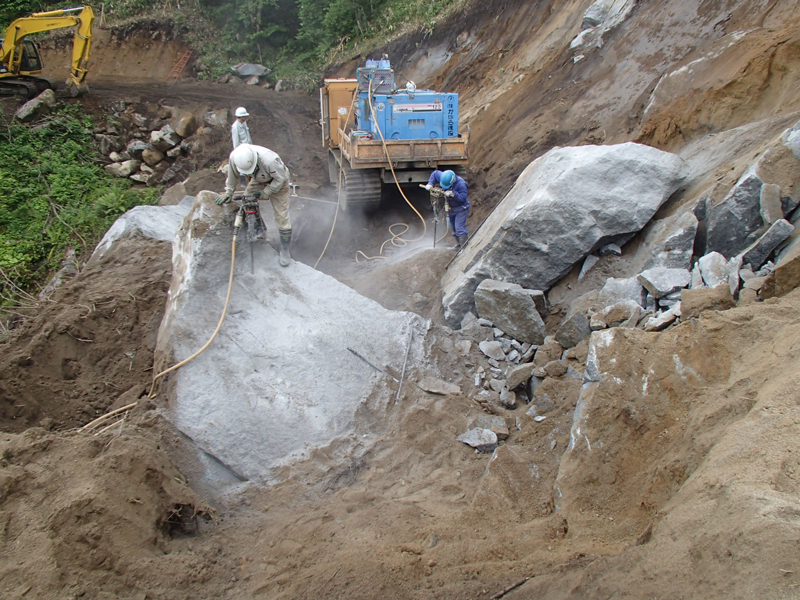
[(440, 206), (250, 214)]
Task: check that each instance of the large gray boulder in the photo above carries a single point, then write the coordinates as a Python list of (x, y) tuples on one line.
[(564, 205), (736, 222), (510, 308), (278, 381)]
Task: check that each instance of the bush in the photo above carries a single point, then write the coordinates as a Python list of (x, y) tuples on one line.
[(54, 194)]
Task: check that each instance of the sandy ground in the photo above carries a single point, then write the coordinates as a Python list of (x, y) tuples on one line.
[(692, 490)]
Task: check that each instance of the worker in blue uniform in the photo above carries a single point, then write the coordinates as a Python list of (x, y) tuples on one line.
[(455, 192)]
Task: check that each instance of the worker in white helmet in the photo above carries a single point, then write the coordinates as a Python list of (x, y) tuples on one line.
[(240, 134), (266, 174)]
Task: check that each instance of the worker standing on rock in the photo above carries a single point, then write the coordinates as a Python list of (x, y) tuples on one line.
[(266, 174), (455, 193), (240, 134)]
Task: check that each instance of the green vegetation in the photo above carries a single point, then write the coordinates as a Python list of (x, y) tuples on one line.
[(295, 38), (54, 194)]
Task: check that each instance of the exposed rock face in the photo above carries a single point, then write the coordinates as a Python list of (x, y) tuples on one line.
[(563, 205), (512, 309)]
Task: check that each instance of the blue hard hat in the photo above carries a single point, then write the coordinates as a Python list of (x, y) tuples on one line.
[(447, 179)]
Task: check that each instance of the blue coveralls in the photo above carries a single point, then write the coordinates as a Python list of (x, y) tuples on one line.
[(459, 205)]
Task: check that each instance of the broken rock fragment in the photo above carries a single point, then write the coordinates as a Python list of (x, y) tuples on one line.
[(494, 423), (734, 221), (662, 281), (511, 309), (493, 350), (694, 302), (438, 386), (573, 330), (758, 253), (483, 440)]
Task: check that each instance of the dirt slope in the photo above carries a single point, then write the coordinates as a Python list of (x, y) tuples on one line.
[(692, 492)]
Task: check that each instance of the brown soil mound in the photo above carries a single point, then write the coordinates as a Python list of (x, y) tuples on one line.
[(90, 347)]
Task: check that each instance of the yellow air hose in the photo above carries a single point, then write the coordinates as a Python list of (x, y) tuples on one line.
[(216, 331)]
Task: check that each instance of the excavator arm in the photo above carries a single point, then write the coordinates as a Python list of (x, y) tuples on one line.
[(12, 52)]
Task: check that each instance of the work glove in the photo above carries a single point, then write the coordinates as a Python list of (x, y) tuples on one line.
[(429, 187), (224, 198), (449, 194)]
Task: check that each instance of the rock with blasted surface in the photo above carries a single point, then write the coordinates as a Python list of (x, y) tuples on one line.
[(511, 308), (493, 423), (713, 269), (670, 242), (519, 375), (563, 206)]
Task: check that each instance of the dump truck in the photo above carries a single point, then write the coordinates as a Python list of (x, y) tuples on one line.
[(20, 60), (378, 134)]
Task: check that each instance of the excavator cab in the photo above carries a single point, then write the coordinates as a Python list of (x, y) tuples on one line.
[(31, 61)]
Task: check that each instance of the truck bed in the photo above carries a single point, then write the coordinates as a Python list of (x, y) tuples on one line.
[(421, 153)]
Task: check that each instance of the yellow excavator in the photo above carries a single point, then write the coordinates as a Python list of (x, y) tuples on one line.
[(20, 59)]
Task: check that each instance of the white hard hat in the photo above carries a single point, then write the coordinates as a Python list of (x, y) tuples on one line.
[(244, 159), (242, 112)]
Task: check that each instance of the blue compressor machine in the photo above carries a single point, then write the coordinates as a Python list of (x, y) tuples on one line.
[(401, 114)]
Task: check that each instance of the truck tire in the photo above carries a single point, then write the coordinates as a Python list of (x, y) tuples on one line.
[(362, 189)]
